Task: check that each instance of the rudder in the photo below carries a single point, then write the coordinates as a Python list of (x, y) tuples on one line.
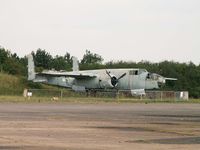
[(75, 64), (31, 68)]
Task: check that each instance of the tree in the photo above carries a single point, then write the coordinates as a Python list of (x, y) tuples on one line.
[(91, 58), (13, 67), (59, 63), (3, 57), (42, 59), (68, 58)]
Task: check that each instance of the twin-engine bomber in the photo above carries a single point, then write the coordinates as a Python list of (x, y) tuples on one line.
[(133, 79)]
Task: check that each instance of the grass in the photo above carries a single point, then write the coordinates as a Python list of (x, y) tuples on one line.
[(88, 100), (10, 85), (15, 85)]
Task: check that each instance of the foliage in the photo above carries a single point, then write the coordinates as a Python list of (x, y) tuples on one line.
[(12, 66), (10, 85), (62, 62), (3, 57), (59, 63), (91, 58), (11, 63), (42, 59)]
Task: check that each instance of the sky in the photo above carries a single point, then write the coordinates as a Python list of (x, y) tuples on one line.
[(128, 30)]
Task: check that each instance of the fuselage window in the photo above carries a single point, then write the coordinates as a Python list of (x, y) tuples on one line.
[(133, 72)]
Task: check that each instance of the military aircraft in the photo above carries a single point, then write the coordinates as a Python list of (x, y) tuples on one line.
[(133, 79)]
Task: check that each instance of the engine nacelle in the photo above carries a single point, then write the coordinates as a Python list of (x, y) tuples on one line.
[(108, 83), (113, 81)]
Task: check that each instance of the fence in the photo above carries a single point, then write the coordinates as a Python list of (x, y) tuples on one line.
[(182, 95), (125, 94)]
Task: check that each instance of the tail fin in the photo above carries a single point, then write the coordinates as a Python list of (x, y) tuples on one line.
[(75, 64), (31, 68)]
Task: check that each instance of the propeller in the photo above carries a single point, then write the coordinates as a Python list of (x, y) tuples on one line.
[(114, 79)]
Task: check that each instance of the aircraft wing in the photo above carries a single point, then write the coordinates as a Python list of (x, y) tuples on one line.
[(76, 75)]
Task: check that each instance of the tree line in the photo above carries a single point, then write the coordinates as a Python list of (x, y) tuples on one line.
[(188, 74)]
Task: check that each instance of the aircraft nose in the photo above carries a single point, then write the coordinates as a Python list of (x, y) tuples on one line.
[(156, 77), (161, 80)]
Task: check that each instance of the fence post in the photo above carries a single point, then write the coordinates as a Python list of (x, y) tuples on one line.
[(61, 94)]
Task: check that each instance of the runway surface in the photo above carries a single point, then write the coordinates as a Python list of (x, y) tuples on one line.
[(64, 126)]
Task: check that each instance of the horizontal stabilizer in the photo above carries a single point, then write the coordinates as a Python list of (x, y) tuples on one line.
[(40, 80), (172, 79)]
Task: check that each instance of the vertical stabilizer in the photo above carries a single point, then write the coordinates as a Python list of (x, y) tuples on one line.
[(31, 68), (75, 64)]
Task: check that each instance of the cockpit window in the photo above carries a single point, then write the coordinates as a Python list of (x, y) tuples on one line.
[(131, 72), (142, 71), (148, 76)]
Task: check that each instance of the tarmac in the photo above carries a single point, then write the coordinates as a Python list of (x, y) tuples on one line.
[(64, 126)]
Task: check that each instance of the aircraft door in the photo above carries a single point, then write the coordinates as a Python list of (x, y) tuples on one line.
[(131, 79), (142, 81), (136, 80), (131, 83)]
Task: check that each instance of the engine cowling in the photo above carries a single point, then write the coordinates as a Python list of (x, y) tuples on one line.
[(113, 79)]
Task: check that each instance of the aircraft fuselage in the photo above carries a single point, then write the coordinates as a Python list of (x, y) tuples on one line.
[(134, 79)]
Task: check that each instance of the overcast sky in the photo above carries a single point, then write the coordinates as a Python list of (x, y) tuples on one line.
[(129, 30)]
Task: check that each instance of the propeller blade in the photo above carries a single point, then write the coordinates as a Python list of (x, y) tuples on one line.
[(108, 73), (121, 76)]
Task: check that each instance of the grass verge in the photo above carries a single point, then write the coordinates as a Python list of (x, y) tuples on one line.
[(89, 100)]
